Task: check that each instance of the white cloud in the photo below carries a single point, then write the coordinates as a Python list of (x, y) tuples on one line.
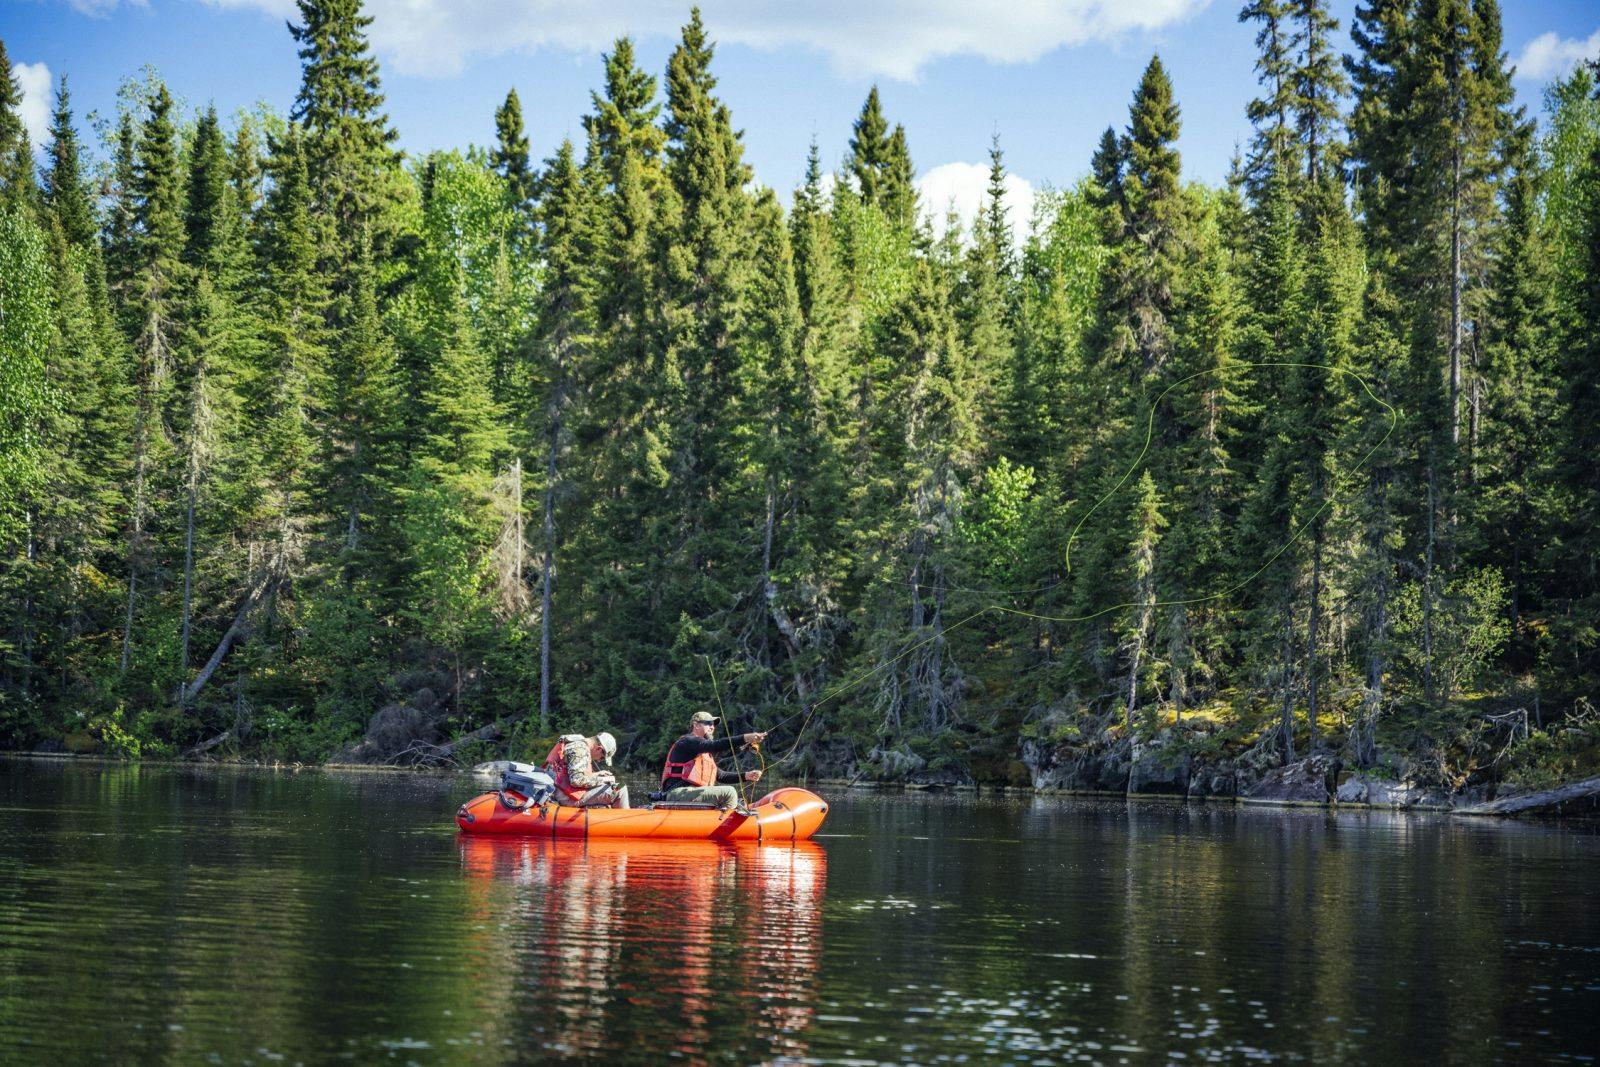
[(1552, 56), (961, 187), (34, 81), (888, 38), (99, 8)]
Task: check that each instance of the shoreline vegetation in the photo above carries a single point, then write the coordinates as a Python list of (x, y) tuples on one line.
[(1574, 800), (316, 451)]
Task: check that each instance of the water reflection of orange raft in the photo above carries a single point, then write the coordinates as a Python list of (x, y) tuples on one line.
[(788, 814)]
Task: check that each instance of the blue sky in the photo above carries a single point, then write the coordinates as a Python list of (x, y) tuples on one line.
[(1046, 75)]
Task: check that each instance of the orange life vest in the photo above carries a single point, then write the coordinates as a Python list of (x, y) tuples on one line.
[(702, 770), (556, 764)]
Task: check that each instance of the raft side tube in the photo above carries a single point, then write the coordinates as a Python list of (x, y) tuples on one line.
[(786, 814)]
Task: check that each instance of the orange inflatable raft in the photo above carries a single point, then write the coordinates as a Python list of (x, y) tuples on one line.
[(788, 814)]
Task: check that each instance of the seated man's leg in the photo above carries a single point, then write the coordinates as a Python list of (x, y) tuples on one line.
[(723, 796), (603, 796)]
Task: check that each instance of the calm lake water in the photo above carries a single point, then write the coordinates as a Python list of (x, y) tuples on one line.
[(194, 915)]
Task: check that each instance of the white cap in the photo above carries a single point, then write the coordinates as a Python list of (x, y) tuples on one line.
[(608, 744)]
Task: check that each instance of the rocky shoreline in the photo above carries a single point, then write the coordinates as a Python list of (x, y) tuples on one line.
[(1315, 782)]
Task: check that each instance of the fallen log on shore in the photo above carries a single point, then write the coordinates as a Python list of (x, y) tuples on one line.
[(1567, 799)]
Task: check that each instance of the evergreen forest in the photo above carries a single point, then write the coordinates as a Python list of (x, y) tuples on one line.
[(312, 449)]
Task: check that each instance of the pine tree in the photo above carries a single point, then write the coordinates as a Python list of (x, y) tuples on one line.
[(511, 158)]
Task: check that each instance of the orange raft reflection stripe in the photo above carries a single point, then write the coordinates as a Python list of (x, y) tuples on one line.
[(788, 814)]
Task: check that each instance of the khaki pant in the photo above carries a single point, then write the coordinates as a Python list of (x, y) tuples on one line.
[(723, 796), (601, 796)]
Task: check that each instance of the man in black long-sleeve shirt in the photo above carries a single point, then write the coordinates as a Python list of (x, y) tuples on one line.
[(691, 773)]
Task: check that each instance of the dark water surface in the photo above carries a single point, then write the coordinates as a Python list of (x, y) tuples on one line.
[(193, 915)]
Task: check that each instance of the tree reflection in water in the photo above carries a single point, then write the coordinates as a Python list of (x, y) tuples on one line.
[(687, 950)]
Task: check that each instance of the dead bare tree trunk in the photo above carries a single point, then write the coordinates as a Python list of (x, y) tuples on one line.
[(1427, 590), (193, 470), (1455, 295), (260, 590), (1315, 623), (135, 535), (1287, 659), (548, 579)]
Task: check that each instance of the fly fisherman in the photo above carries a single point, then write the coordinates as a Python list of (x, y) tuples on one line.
[(578, 785), (691, 773)]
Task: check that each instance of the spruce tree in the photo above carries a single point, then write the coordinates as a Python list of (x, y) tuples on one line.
[(1143, 274), (705, 281), (65, 192), (985, 305), (511, 158), (448, 515), (27, 406), (18, 187), (1512, 504), (122, 260), (880, 163), (869, 149), (348, 139), (155, 247), (565, 333), (1578, 473), (1273, 145), (795, 459), (207, 218), (1319, 86), (927, 454), (293, 358), (899, 195), (246, 169), (623, 124), (24, 339), (1146, 522)]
